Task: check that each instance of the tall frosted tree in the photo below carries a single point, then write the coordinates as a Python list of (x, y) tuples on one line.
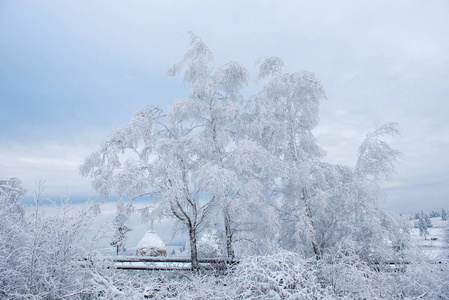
[(346, 201), (212, 108), (150, 158), (321, 206), (376, 161), (284, 114)]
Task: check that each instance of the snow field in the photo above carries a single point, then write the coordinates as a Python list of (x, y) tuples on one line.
[(436, 244)]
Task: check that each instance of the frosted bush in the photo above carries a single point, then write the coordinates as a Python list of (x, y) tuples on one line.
[(279, 276)]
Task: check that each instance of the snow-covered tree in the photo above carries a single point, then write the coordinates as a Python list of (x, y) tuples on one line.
[(302, 189), (417, 215), (122, 164), (434, 214), (423, 225), (283, 116), (427, 219), (148, 157), (177, 187), (443, 214), (321, 205), (376, 159), (230, 166), (375, 227), (212, 108), (120, 228)]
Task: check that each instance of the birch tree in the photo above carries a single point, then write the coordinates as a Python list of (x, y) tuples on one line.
[(213, 109), (321, 206), (174, 181), (150, 158), (284, 114)]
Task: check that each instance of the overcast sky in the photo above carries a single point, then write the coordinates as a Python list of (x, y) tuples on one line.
[(73, 71)]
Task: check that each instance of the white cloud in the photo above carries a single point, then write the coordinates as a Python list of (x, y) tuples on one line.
[(57, 164), (378, 60)]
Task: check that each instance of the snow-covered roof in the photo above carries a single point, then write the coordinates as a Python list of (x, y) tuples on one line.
[(151, 240)]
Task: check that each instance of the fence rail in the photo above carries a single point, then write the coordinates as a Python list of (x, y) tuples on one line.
[(215, 263), (169, 263)]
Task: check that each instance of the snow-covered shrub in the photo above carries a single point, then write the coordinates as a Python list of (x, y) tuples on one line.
[(180, 285), (12, 236), (284, 275), (347, 275), (106, 282), (350, 276), (279, 276), (113, 284), (42, 257), (344, 275), (424, 279)]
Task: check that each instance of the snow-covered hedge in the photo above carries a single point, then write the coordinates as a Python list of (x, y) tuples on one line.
[(284, 275)]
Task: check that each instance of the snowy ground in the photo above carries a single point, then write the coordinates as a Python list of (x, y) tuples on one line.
[(436, 245)]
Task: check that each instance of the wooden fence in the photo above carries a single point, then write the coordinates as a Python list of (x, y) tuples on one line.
[(180, 263), (168, 263)]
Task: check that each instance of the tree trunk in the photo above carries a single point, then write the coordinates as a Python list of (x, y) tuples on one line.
[(227, 217), (227, 220), (313, 240), (193, 249)]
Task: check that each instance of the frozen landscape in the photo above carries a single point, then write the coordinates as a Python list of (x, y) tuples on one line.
[(436, 243), (278, 150), (252, 209)]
